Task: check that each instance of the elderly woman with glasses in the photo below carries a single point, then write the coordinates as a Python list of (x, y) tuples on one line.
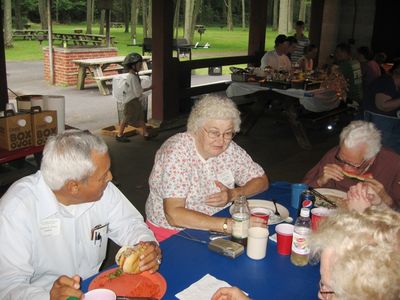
[(359, 157), (359, 257), (201, 171)]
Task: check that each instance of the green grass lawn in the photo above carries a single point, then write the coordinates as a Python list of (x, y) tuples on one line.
[(222, 42)]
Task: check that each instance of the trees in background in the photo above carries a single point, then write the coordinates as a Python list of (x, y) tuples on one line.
[(7, 24), (188, 13)]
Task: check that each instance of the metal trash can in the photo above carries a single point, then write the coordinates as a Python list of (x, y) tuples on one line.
[(215, 71)]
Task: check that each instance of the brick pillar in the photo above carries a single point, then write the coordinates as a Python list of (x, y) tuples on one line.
[(65, 70)]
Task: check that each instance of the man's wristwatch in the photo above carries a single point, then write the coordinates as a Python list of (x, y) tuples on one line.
[(225, 226)]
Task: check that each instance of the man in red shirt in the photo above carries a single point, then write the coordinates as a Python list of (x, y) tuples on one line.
[(359, 156)]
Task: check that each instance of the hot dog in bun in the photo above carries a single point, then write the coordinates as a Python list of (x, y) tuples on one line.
[(128, 258)]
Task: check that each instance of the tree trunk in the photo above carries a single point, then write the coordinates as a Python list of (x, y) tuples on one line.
[(92, 11), (243, 14), (302, 11), (134, 7), (283, 16), (189, 6), (290, 15), (144, 15), (192, 8), (18, 17), (57, 6), (150, 18), (102, 21), (89, 16), (229, 22), (275, 15), (8, 41), (196, 10), (176, 17), (126, 15), (43, 13)]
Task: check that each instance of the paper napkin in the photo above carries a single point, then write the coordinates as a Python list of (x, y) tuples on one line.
[(202, 289), (273, 237)]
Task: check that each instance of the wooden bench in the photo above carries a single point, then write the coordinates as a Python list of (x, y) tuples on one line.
[(29, 34), (103, 80)]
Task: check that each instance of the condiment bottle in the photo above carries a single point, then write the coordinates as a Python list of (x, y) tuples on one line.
[(241, 220)]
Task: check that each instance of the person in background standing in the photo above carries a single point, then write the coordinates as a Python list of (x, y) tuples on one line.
[(135, 107), (369, 68), (382, 106), (291, 46), (351, 71), (302, 42)]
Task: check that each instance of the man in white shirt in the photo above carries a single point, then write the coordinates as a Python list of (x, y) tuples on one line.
[(54, 225), (277, 59)]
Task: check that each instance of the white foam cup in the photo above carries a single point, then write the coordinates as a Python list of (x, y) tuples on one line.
[(100, 294), (257, 242)]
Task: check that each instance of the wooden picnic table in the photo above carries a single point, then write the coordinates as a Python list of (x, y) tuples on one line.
[(96, 67), (82, 39), (29, 34)]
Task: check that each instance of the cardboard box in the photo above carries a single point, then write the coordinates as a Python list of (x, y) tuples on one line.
[(44, 124), (15, 132)]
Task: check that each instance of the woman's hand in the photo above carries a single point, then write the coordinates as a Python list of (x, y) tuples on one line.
[(229, 293), (65, 287), (220, 199), (361, 196), (380, 191)]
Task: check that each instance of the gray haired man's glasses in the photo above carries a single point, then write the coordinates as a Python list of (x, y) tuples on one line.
[(215, 134)]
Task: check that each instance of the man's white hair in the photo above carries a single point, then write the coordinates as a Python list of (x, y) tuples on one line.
[(361, 132), (212, 107), (67, 156)]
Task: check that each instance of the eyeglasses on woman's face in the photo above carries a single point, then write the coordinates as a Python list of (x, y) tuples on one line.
[(215, 134)]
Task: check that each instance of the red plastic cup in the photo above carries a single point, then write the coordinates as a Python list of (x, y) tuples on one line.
[(261, 212), (317, 215), (284, 235)]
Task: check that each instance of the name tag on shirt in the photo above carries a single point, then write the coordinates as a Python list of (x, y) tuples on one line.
[(227, 179), (50, 227)]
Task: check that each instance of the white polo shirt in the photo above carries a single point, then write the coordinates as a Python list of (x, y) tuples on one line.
[(42, 239), (276, 61)]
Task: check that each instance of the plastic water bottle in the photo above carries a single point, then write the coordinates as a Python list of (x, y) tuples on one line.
[(301, 233), (241, 220)]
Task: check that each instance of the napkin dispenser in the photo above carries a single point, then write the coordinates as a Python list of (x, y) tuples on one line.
[(226, 247)]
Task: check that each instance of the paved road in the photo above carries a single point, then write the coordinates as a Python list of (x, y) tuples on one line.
[(85, 109)]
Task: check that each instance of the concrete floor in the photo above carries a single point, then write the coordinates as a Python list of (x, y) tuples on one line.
[(270, 143)]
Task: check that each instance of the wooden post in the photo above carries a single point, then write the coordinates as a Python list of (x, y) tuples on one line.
[(165, 83), (317, 13), (3, 74), (257, 28)]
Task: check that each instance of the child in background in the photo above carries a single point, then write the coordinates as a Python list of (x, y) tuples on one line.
[(136, 104)]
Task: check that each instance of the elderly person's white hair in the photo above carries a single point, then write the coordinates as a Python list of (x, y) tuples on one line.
[(212, 107), (365, 259), (67, 156), (361, 132)]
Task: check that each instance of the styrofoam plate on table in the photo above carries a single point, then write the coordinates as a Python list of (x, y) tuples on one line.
[(273, 219)]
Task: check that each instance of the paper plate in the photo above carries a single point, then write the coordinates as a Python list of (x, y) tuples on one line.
[(132, 285), (273, 219), (336, 196)]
